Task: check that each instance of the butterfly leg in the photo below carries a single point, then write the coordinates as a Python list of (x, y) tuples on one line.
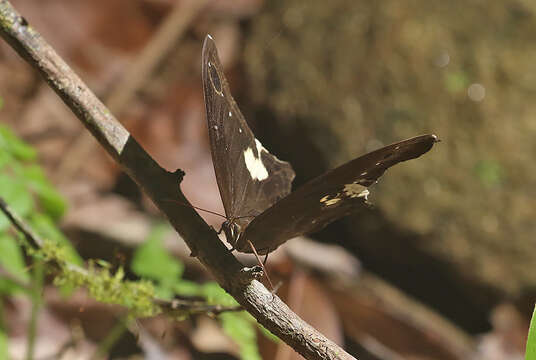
[(262, 265), (278, 285)]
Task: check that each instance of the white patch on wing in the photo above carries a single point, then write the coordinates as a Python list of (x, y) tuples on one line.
[(259, 147), (356, 191), (254, 164)]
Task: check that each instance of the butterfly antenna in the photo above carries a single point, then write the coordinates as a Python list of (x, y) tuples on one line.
[(262, 266), (195, 207)]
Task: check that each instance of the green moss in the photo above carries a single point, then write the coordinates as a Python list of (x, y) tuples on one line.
[(101, 282)]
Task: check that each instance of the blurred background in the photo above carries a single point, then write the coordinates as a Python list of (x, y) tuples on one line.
[(442, 267)]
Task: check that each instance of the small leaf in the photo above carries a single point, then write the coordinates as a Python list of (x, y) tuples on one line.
[(242, 329), (10, 143), (12, 260), (187, 288), (530, 353), (17, 196), (50, 199), (3, 344), (216, 295), (45, 227), (3, 332), (5, 159), (103, 263), (151, 259), (268, 334)]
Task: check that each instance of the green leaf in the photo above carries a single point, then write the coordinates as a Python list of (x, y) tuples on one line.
[(5, 159), (3, 332), (187, 288), (12, 260), (46, 228), (530, 353), (17, 196), (103, 263), (214, 294), (151, 260), (268, 334), (242, 329), (50, 199), (10, 143)]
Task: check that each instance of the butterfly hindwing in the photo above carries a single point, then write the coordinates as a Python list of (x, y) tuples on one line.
[(250, 179), (328, 197)]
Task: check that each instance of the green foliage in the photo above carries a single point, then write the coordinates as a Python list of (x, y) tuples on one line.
[(12, 261), (102, 283), (151, 260), (3, 344), (25, 188), (530, 353), (47, 229), (3, 332), (241, 328)]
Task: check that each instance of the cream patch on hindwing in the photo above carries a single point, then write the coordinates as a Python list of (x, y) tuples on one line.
[(254, 164), (349, 191), (355, 191), (328, 200)]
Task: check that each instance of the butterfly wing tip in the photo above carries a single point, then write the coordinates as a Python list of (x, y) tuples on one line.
[(209, 39)]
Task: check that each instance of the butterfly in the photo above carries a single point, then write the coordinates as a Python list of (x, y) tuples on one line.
[(255, 186)]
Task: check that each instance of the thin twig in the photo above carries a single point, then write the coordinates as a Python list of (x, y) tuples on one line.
[(170, 307), (160, 185), (20, 225)]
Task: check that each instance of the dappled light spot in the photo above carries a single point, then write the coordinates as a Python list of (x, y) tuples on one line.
[(476, 92)]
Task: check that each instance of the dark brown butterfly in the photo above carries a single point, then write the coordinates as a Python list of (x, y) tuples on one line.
[(255, 186)]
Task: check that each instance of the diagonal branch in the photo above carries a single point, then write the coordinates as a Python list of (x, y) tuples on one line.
[(161, 185)]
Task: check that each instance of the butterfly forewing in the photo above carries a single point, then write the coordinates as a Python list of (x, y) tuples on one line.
[(250, 179), (328, 197)]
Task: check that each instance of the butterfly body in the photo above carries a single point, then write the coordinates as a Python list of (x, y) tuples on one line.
[(255, 186)]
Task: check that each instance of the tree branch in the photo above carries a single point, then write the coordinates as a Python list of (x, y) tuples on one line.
[(161, 185)]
